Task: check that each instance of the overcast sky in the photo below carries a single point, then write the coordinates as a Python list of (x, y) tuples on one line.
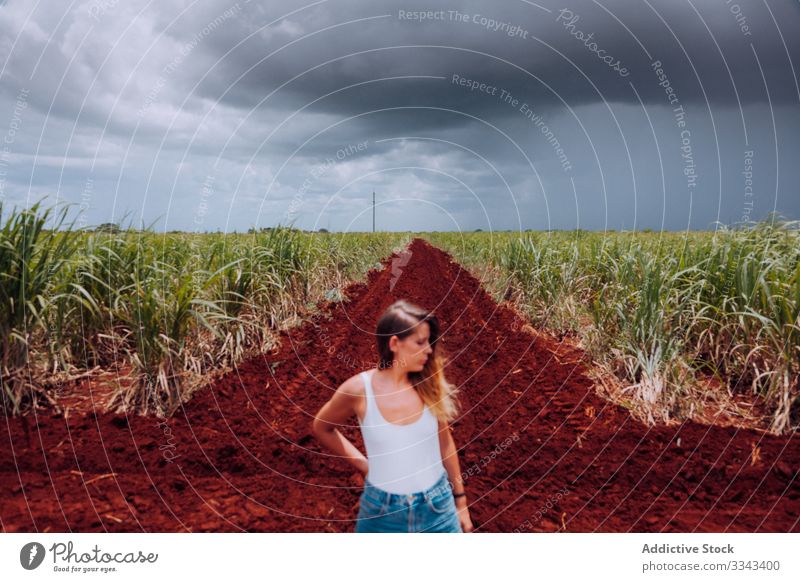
[(660, 114)]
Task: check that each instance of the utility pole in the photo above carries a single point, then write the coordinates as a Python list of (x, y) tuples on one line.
[(373, 211)]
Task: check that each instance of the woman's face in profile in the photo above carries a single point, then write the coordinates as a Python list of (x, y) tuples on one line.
[(414, 349)]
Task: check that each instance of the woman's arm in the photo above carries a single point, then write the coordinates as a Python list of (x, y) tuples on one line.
[(336, 412), (451, 464)]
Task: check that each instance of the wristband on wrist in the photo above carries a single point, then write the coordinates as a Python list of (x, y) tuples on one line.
[(457, 495)]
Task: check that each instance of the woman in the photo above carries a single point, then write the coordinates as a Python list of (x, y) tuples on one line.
[(412, 476)]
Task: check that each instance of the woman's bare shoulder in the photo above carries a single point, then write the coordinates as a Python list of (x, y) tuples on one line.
[(354, 385)]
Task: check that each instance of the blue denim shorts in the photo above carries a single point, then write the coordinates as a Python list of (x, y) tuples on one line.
[(431, 511)]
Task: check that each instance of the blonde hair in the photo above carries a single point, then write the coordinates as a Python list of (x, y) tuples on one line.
[(400, 319)]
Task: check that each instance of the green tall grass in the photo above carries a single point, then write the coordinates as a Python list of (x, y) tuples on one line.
[(30, 258), (663, 311), (170, 311)]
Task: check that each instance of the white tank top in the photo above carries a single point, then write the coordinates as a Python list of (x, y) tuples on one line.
[(402, 459)]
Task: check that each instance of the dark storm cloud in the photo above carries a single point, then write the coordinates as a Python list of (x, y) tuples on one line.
[(702, 46), (493, 115)]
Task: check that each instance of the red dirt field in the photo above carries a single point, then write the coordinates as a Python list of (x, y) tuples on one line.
[(240, 456)]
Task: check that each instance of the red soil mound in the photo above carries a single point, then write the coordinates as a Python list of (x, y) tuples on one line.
[(543, 451)]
